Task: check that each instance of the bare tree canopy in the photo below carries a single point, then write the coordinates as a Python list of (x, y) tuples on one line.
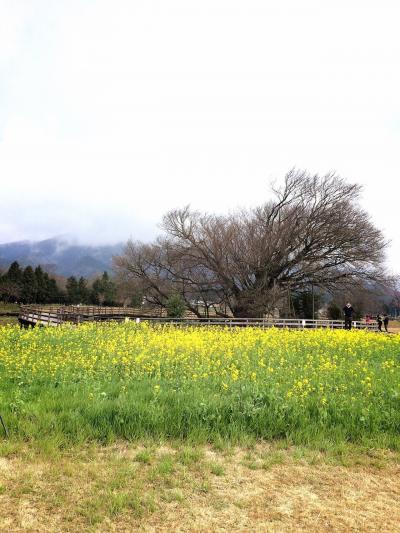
[(313, 232)]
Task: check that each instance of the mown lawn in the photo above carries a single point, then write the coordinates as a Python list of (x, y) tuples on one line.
[(177, 486)]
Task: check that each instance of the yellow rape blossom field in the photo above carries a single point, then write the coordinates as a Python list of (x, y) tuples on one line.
[(107, 381)]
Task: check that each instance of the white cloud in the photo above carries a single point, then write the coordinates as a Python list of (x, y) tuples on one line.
[(112, 113)]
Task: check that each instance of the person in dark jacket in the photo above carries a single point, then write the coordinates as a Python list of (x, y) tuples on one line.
[(348, 315), (380, 322), (386, 322)]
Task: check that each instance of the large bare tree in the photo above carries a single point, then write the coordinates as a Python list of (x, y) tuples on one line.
[(312, 232)]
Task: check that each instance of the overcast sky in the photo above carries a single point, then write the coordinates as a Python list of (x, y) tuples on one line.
[(113, 112)]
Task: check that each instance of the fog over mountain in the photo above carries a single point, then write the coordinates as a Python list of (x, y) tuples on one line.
[(60, 256)]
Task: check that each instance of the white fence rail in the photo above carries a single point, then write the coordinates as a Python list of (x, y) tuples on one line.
[(292, 323)]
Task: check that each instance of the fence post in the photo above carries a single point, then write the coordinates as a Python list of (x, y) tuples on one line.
[(303, 323)]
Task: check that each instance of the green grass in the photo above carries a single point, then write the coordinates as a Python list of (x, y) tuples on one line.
[(8, 320), (8, 308), (143, 457), (5, 310), (61, 415)]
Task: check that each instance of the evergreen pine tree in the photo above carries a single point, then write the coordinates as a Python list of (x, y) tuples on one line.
[(11, 284), (41, 284), (29, 286), (55, 295), (104, 290), (175, 306), (14, 273), (72, 290), (83, 291)]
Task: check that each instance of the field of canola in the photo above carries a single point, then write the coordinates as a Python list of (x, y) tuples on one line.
[(107, 381)]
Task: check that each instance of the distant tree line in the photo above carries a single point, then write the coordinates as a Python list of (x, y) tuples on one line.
[(28, 285), (102, 291), (34, 285)]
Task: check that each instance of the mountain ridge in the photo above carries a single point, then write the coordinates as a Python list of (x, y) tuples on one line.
[(60, 257)]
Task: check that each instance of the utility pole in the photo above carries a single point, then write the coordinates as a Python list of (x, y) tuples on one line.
[(313, 302)]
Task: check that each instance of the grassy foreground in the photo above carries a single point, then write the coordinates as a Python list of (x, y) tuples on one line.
[(149, 486), (102, 382), (8, 314)]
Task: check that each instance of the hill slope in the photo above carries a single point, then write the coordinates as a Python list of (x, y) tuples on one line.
[(60, 256)]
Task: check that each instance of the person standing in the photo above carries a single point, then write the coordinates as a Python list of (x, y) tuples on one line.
[(380, 322), (348, 315), (386, 322)]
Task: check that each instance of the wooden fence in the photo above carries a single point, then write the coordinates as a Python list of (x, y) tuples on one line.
[(54, 315), (31, 315)]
